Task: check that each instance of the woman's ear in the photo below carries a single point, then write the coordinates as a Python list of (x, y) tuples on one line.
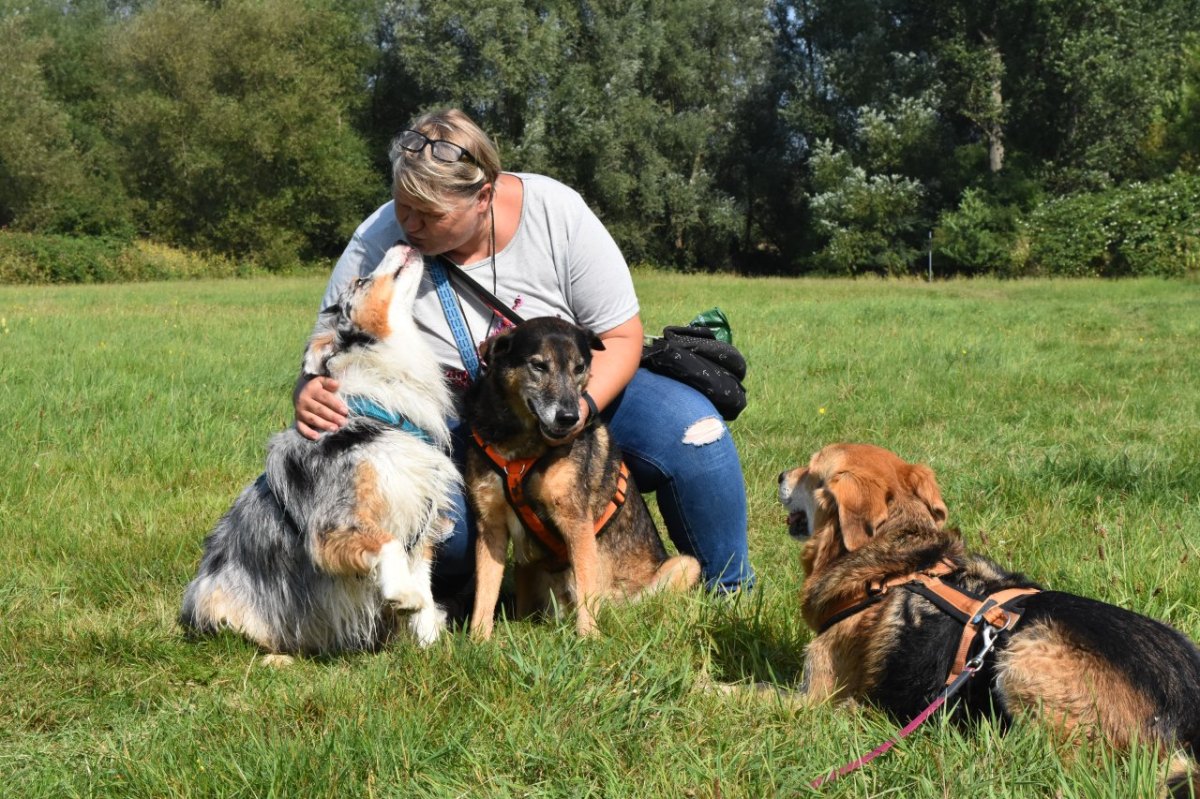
[(486, 196)]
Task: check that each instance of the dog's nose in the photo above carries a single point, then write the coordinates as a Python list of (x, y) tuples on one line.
[(566, 417)]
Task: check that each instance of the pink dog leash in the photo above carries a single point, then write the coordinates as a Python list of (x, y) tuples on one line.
[(972, 666)]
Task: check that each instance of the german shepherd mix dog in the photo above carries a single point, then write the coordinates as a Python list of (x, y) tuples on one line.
[(554, 481), (884, 579), (331, 546)]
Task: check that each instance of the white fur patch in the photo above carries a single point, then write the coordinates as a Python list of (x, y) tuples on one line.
[(427, 624), (397, 583), (415, 481)]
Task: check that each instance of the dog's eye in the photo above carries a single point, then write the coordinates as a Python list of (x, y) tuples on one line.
[(538, 367), (580, 368)]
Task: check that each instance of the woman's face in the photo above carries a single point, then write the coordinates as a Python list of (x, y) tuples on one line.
[(435, 231)]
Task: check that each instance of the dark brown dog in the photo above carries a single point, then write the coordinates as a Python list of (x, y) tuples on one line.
[(565, 479), (869, 518)]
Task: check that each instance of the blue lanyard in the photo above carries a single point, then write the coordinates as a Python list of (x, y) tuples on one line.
[(454, 316)]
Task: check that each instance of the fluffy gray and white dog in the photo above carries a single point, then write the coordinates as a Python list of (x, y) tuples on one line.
[(332, 546)]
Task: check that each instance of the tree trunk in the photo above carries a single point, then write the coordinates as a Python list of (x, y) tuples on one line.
[(994, 128)]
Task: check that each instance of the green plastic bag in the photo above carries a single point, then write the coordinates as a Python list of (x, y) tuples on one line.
[(716, 321)]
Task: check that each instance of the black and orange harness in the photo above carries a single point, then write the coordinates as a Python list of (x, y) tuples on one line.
[(982, 617), (991, 614), (516, 473)]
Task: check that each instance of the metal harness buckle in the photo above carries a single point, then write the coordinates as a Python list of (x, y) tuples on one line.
[(989, 634)]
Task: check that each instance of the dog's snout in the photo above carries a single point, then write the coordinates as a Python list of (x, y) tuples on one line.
[(566, 416)]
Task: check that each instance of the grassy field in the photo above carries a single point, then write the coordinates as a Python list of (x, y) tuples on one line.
[(1063, 420)]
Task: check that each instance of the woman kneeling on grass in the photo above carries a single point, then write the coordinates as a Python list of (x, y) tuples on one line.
[(537, 246)]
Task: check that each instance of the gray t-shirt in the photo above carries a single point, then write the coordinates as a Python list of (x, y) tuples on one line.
[(561, 262)]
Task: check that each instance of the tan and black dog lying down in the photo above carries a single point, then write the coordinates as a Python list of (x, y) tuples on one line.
[(872, 522), (581, 532)]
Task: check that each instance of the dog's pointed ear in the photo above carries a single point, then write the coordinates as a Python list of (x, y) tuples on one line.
[(320, 343), (924, 486), (593, 340), (861, 508), (494, 347)]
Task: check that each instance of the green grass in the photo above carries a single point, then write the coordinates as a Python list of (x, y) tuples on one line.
[(1061, 417)]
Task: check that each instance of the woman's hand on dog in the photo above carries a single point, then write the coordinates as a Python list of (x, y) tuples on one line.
[(318, 407)]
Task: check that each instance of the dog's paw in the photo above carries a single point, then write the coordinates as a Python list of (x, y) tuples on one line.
[(427, 625), (398, 586), (705, 684), (404, 598), (275, 660)]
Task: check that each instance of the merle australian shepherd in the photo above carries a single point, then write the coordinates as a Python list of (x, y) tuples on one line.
[(330, 549)]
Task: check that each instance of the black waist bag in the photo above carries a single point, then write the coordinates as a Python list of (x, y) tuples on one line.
[(693, 356)]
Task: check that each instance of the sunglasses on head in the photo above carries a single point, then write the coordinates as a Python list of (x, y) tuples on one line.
[(445, 151)]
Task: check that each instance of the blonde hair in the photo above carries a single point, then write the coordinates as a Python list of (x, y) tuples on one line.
[(420, 179)]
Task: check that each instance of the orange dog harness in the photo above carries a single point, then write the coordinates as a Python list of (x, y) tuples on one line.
[(989, 615), (998, 610), (516, 473)]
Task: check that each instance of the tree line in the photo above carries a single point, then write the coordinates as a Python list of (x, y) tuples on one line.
[(780, 136)]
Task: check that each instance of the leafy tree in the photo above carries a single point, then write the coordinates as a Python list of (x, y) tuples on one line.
[(492, 60), (651, 93), (1179, 143), (692, 127), (980, 236), (35, 144), (51, 178), (629, 103), (785, 108), (1075, 84), (234, 121), (1097, 74), (866, 217)]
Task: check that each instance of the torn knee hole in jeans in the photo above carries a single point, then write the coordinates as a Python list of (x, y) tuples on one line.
[(705, 431)]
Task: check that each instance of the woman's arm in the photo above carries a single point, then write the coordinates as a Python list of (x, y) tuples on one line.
[(614, 366)]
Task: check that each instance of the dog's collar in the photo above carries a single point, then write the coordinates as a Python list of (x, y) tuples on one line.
[(361, 406), (876, 590)]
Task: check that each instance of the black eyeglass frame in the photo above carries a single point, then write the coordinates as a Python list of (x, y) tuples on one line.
[(462, 154)]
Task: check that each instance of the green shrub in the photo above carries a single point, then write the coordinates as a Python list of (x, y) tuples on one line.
[(979, 237), (865, 218), (30, 258), (1134, 229)]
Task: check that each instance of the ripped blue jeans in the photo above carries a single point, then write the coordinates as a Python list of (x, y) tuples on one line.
[(677, 446)]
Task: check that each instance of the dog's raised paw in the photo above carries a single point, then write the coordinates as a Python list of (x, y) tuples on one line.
[(404, 599), (397, 584), (427, 624)]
